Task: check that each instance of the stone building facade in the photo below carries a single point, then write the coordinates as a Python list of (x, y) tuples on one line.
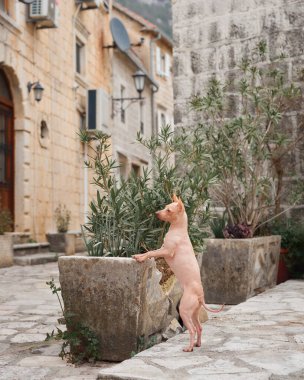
[(41, 156), (47, 156), (154, 56), (210, 38)]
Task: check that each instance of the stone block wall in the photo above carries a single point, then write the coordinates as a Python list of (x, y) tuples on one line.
[(211, 36), (6, 250)]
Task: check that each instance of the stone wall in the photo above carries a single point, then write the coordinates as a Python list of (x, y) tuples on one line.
[(211, 36), (6, 253)]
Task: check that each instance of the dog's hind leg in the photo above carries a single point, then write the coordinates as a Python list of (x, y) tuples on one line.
[(198, 326), (189, 303)]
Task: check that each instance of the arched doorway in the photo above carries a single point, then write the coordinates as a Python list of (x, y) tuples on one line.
[(6, 145)]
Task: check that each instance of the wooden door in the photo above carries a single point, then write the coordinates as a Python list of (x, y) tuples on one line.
[(6, 147)]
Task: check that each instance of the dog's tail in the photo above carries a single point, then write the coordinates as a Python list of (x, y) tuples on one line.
[(202, 302)]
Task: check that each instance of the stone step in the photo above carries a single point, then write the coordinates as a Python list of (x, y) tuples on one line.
[(30, 249), (37, 258)]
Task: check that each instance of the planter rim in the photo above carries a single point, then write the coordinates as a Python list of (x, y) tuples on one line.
[(57, 233), (79, 257), (246, 239)]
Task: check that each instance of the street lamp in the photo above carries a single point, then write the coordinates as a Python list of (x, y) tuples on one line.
[(37, 88), (139, 82)]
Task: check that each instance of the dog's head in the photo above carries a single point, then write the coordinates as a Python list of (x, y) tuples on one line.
[(172, 211)]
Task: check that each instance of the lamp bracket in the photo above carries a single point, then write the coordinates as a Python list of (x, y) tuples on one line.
[(30, 85), (121, 100)]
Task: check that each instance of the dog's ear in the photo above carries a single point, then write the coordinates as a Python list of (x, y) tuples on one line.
[(181, 206), (174, 198)]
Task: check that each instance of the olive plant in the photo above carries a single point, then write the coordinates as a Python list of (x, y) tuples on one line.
[(122, 218), (246, 146)]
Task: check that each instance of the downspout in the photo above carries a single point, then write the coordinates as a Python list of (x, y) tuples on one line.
[(153, 91), (85, 169)]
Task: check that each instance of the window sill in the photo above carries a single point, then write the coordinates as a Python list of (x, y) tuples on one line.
[(9, 23), (81, 80)]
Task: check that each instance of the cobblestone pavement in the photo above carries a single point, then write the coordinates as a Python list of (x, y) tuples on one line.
[(28, 310), (260, 339)]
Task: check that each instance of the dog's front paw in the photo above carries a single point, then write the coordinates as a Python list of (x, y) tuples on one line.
[(140, 257)]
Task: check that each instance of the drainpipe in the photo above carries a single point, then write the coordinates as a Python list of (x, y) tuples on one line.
[(153, 91), (85, 158), (152, 43), (85, 180)]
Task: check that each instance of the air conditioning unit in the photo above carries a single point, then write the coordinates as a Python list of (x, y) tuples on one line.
[(97, 110), (88, 4), (45, 13)]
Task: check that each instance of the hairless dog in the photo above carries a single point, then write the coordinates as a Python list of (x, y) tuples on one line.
[(178, 252)]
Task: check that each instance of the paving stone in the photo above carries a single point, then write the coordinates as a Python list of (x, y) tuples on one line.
[(129, 369), (173, 363), (47, 349), (4, 360), (234, 376), (28, 338), (34, 318), (278, 363), (42, 361), (17, 373), (3, 347), (17, 325), (220, 366), (8, 331), (41, 329), (8, 318), (299, 338)]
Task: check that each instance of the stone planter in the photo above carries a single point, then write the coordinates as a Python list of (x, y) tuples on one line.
[(6, 250), (234, 270), (62, 242), (119, 299)]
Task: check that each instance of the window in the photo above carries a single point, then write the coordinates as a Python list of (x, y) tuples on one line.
[(136, 170), (4, 6), (79, 57), (123, 166), (122, 110), (82, 120), (163, 63), (141, 117), (161, 120)]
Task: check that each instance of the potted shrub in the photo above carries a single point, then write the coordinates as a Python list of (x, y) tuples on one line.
[(6, 240), (285, 229), (247, 140), (120, 300), (62, 241), (292, 249)]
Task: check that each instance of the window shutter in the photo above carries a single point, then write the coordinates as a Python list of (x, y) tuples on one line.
[(167, 65), (158, 61), (105, 114)]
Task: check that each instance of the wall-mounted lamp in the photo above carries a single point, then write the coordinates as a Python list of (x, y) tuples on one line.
[(27, 2), (37, 88), (139, 81)]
